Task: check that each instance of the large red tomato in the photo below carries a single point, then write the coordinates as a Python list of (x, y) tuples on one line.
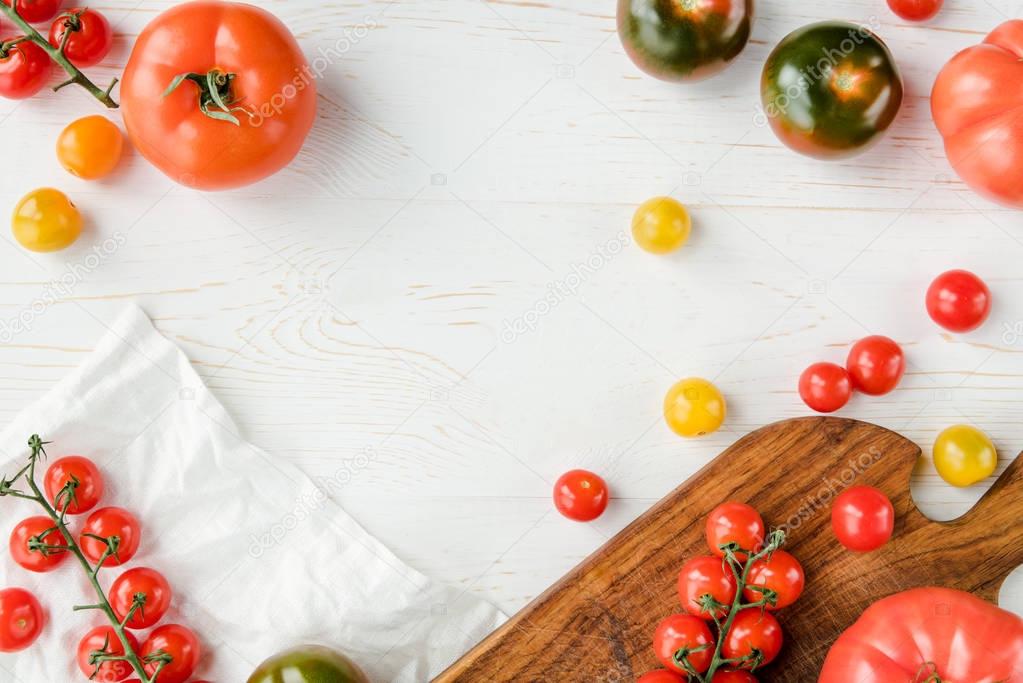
[(244, 100), (928, 632), (978, 107)]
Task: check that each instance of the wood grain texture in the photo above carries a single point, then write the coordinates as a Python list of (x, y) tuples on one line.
[(596, 623)]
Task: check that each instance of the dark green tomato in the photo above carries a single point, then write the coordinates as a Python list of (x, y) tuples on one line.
[(830, 89), (684, 40), (308, 664)]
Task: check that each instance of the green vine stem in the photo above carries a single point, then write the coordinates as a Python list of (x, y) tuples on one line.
[(75, 76), (64, 498)]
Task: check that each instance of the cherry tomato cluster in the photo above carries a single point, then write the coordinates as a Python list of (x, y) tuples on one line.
[(727, 629), (139, 597), (875, 366)]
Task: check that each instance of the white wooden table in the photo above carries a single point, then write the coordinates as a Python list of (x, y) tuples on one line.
[(476, 164)]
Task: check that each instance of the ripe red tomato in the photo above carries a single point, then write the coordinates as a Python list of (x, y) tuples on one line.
[(90, 483), (876, 365), (863, 518), (680, 631), (734, 677), (21, 619), (35, 560), (825, 387), (580, 495), (140, 580), (24, 70), (661, 676), (735, 523), (707, 575), (36, 11), (752, 630), (916, 10), (781, 573), (183, 647), (255, 63), (99, 639), (91, 36), (959, 301), (107, 522)]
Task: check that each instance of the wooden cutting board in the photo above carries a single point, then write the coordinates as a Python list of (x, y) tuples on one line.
[(595, 624)]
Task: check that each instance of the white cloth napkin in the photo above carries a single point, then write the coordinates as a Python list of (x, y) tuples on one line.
[(260, 556)]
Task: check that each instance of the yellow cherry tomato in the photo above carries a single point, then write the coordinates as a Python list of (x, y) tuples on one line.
[(46, 220), (964, 455), (694, 407), (91, 147), (661, 225)]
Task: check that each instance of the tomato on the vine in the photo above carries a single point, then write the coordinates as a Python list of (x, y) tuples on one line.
[(580, 495), (35, 560), (90, 147), (781, 573), (24, 68), (825, 387), (147, 582), (85, 472), (85, 34), (694, 407), (107, 522), (183, 647), (959, 301), (916, 10), (706, 576), (964, 455), (36, 11), (735, 523), (661, 225), (21, 619), (661, 676), (684, 631), (876, 365), (753, 630), (104, 638), (863, 518)]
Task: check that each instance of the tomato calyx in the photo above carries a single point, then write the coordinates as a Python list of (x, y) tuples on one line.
[(215, 97), (6, 47), (930, 669)]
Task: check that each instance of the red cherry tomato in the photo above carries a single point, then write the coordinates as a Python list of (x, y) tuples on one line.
[(183, 647), (916, 10), (876, 365), (35, 560), (707, 575), (91, 36), (735, 523), (661, 676), (36, 11), (24, 69), (754, 630), (90, 483), (21, 619), (825, 387), (580, 495), (104, 638), (146, 581), (959, 301), (781, 573), (680, 631), (734, 677), (107, 522), (863, 518)]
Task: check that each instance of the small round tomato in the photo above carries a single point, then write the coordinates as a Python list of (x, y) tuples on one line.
[(104, 639), (863, 518), (308, 663), (754, 631), (21, 619), (876, 364), (41, 528), (684, 631), (106, 523), (959, 301), (147, 582), (780, 573), (694, 407), (36, 11), (825, 387), (178, 642), (964, 455), (24, 68), (580, 495), (661, 225), (916, 10), (661, 676), (88, 36), (46, 220), (706, 578), (90, 147), (84, 471), (738, 524), (733, 677)]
